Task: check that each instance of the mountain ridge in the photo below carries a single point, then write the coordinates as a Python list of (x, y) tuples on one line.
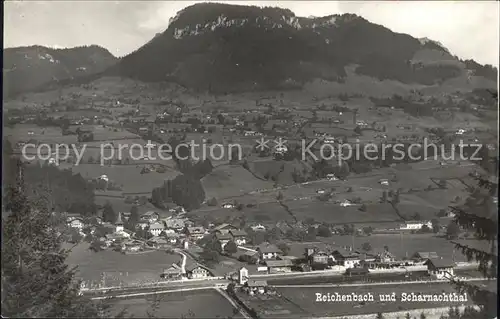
[(223, 47), (28, 67)]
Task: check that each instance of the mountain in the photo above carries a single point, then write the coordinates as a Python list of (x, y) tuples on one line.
[(27, 68), (221, 47)]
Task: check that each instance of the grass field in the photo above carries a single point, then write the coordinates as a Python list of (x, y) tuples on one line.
[(189, 304), (119, 268), (401, 245), (305, 299), (127, 175), (231, 180)]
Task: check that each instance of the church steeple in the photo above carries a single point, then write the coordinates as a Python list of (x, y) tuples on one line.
[(119, 219)]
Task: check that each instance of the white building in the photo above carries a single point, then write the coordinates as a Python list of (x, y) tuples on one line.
[(415, 225), (156, 228), (439, 268), (242, 275)]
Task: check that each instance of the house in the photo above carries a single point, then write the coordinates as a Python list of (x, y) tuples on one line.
[(258, 227), (223, 238), (346, 203), (315, 256), (415, 225), (159, 243), (195, 233), (75, 221), (384, 256), (173, 272), (239, 236), (424, 255), (172, 238), (346, 258), (150, 216), (256, 286), (440, 268), (267, 252), (277, 266), (223, 228), (175, 224), (384, 182), (156, 229), (228, 205), (242, 275), (250, 257), (197, 271)]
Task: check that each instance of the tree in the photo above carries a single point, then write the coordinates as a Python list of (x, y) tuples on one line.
[(435, 225), (452, 230), (284, 248), (425, 229), (36, 282), (108, 213), (231, 248), (368, 230), (324, 231), (212, 202), (480, 215), (379, 316), (383, 199), (362, 208), (366, 246)]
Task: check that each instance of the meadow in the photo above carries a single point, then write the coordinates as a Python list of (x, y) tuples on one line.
[(187, 304), (119, 268)]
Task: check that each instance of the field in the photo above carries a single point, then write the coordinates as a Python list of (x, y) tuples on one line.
[(231, 180), (401, 245), (128, 176), (305, 299), (189, 304), (119, 268)]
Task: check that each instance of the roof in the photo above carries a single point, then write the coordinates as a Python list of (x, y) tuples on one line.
[(238, 233), (194, 266), (196, 230), (256, 283), (149, 213), (174, 223), (440, 263), (222, 226), (426, 254), (174, 268), (250, 253), (266, 249), (222, 236), (345, 253), (279, 263), (156, 226)]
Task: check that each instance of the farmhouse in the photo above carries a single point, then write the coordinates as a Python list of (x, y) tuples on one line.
[(195, 233), (150, 217), (173, 272), (415, 225), (440, 268), (223, 238), (277, 266), (197, 271), (158, 242), (223, 228), (156, 229), (267, 252), (250, 257), (239, 237), (75, 221), (348, 259), (172, 237), (175, 224), (315, 256), (256, 286)]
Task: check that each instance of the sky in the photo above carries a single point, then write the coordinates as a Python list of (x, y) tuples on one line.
[(469, 29)]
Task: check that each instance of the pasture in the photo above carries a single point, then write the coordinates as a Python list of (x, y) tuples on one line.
[(231, 180), (119, 268), (188, 304)]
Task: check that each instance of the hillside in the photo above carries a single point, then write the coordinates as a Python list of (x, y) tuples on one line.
[(221, 48), (27, 68)]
